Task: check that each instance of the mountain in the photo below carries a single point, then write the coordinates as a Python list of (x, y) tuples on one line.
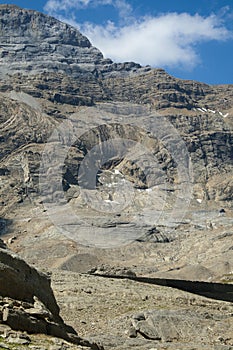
[(115, 168), (33, 45)]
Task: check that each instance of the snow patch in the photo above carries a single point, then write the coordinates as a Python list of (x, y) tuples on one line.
[(204, 110), (148, 190)]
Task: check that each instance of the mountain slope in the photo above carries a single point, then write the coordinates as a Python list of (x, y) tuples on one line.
[(33, 44), (114, 167)]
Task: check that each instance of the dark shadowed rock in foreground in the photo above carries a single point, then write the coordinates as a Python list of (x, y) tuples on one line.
[(20, 281), (27, 302)]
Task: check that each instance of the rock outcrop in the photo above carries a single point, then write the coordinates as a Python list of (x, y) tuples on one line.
[(20, 281), (27, 302), (36, 41)]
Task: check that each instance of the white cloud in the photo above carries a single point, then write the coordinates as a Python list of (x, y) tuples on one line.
[(53, 6), (123, 8), (166, 40)]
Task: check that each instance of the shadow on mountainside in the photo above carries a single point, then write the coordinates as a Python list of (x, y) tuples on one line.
[(218, 291), (4, 225)]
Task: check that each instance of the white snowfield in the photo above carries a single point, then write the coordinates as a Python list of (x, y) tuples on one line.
[(205, 110)]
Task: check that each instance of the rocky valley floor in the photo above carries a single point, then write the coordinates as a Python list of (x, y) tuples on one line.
[(125, 314)]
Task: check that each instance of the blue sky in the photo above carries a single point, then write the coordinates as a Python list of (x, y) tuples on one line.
[(190, 39)]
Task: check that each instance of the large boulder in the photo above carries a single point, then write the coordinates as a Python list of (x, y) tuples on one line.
[(20, 281), (27, 302)]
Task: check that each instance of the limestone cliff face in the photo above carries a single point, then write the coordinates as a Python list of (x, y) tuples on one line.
[(34, 41), (49, 70), (47, 58)]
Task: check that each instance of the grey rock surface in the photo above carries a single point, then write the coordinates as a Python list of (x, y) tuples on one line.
[(30, 283), (135, 315), (27, 303), (36, 41), (34, 45)]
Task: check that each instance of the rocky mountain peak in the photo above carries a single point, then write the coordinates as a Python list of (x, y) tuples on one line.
[(36, 42), (44, 57), (22, 25), (9, 6)]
